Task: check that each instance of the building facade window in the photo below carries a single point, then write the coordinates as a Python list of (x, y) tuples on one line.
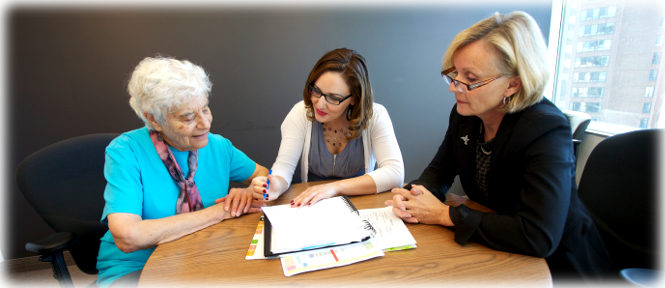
[(590, 107), (593, 61), (589, 76), (596, 13), (596, 29), (653, 74), (597, 45), (609, 91), (646, 108), (592, 92)]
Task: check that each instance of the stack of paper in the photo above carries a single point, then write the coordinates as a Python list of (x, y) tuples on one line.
[(391, 233), (329, 222)]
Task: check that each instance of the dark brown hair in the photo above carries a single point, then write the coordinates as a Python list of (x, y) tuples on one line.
[(354, 70)]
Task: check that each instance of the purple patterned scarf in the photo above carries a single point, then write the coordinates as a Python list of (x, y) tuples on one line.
[(189, 199)]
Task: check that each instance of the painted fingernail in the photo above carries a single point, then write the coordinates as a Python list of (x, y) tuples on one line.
[(265, 186), (265, 191), (292, 202), (309, 204)]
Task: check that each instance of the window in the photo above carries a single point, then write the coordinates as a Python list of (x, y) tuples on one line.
[(593, 92), (594, 45), (596, 13), (589, 76), (596, 29), (585, 106), (602, 78), (646, 108), (592, 61), (653, 74)]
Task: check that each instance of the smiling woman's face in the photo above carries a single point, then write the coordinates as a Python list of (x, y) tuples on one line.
[(331, 83), (187, 128)]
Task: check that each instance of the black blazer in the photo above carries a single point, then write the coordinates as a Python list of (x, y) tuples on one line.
[(532, 189)]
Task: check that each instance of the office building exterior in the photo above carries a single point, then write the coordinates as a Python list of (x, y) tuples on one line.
[(610, 61)]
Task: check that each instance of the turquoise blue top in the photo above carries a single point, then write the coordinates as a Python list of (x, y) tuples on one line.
[(139, 183)]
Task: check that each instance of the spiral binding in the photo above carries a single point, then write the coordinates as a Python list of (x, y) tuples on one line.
[(368, 226), (350, 205)]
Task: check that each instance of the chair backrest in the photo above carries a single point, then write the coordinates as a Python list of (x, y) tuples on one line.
[(619, 188), (64, 183), (579, 121)]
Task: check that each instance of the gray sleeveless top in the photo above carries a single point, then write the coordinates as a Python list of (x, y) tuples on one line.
[(323, 165)]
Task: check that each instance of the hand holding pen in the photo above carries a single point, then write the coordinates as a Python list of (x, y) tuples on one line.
[(265, 192), (266, 188)]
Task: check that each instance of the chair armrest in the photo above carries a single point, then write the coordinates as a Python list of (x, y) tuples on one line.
[(51, 244)]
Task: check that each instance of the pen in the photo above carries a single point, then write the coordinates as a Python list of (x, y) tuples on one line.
[(265, 195)]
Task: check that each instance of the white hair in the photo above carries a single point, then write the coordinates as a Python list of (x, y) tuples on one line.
[(160, 85)]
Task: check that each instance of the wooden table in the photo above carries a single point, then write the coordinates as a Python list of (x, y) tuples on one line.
[(215, 256)]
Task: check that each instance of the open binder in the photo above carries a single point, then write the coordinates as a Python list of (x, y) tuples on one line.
[(328, 223)]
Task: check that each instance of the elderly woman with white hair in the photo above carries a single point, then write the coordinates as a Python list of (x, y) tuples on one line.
[(171, 177), (512, 150)]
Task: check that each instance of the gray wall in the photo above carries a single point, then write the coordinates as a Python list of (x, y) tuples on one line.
[(69, 67)]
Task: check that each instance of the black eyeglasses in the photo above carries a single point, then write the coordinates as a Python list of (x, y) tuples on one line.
[(450, 74), (332, 99)]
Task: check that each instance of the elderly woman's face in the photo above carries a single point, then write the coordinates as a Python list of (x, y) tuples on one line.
[(187, 128), (476, 62)]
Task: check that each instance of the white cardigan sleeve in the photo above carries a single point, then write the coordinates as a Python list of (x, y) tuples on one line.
[(390, 171), (293, 139)]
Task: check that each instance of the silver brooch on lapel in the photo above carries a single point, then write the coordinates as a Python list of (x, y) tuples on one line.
[(466, 139)]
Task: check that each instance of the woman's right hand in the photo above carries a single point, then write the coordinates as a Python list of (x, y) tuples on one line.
[(259, 187)]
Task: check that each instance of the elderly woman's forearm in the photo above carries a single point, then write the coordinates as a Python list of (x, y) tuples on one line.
[(131, 234)]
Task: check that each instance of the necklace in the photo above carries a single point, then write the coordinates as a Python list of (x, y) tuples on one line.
[(335, 137), (485, 143)]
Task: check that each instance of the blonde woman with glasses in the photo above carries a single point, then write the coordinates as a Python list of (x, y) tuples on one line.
[(512, 150)]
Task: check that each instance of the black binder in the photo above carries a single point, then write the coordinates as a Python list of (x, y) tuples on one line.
[(267, 230)]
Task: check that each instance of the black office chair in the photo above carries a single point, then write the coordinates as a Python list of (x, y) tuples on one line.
[(619, 188), (579, 121), (64, 183)]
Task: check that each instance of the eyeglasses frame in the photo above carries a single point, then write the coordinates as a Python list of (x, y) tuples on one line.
[(312, 86), (469, 87)]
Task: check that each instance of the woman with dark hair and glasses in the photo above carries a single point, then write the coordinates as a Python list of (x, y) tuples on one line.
[(338, 133), (513, 152)]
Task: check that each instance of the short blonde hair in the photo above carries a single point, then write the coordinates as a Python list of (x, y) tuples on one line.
[(160, 85), (520, 44)]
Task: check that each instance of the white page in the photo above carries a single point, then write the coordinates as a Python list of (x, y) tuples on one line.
[(390, 229), (328, 222)]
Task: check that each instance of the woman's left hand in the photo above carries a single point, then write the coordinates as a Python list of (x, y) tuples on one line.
[(240, 201), (315, 194), (419, 206)]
